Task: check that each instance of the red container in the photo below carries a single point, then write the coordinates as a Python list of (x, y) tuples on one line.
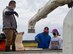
[(2, 45)]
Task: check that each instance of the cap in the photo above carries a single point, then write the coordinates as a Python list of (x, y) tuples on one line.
[(54, 30)]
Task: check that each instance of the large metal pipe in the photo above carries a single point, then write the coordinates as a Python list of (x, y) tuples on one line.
[(44, 11)]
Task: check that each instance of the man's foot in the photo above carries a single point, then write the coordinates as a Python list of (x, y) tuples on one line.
[(13, 48)]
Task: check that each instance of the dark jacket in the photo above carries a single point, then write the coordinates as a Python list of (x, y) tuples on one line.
[(43, 40), (9, 20)]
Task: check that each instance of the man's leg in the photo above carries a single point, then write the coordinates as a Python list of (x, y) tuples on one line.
[(13, 41), (8, 34)]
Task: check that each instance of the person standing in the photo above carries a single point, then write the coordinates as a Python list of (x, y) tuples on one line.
[(10, 25), (56, 40), (43, 39)]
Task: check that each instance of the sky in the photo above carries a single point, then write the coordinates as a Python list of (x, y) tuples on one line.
[(27, 9)]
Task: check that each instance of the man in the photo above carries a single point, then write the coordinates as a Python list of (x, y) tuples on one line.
[(10, 25), (43, 39)]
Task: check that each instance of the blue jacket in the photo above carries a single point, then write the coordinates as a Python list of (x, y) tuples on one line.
[(43, 40)]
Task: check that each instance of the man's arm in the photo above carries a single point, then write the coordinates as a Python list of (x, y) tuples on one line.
[(11, 13), (37, 38), (61, 43), (49, 42)]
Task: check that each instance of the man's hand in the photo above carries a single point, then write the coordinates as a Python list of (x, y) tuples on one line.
[(16, 14)]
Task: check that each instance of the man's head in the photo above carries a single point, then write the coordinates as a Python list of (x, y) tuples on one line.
[(46, 30), (12, 4)]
